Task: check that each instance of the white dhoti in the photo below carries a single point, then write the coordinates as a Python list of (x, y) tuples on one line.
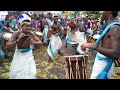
[(54, 45), (81, 38), (101, 62), (71, 38), (23, 66), (45, 31)]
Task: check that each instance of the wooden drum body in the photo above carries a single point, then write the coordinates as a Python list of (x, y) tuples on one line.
[(39, 34), (75, 67), (92, 39), (6, 36)]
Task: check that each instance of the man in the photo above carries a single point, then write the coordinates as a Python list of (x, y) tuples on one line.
[(72, 28), (108, 51), (2, 50), (103, 25), (55, 42), (49, 19), (23, 64), (13, 22)]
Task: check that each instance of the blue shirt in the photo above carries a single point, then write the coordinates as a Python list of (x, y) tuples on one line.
[(14, 22), (1, 27), (48, 22), (63, 23)]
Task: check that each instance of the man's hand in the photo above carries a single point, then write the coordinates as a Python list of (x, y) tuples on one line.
[(20, 34), (88, 45)]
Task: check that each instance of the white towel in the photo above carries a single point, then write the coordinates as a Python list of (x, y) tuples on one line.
[(99, 66), (54, 45), (81, 38), (23, 66), (45, 31)]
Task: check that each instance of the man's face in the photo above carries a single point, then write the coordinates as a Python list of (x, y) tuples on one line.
[(26, 28), (105, 15), (86, 19), (55, 19)]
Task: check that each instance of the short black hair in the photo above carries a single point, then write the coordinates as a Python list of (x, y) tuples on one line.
[(114, 13)]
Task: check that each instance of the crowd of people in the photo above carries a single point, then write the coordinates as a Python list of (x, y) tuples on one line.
[(54, 28)]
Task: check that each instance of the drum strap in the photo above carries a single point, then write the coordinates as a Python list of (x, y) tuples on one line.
[(105, 31)]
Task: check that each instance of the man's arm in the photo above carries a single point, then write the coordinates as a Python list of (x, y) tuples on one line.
[(36, 42), (35, 39), (34, 36), (114, 52), (11, 44)]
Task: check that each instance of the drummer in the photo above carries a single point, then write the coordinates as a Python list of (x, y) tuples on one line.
[(55, 41), (71, 36), (23, 64), (108, 51)]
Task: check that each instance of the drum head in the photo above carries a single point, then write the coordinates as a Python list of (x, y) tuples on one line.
[(39, 33), (96, 36), (7, 36)]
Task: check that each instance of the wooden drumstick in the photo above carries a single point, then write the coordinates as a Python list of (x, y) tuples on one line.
[(71, 71), (84, 59), (66, 70), (77, 69), (83, 69)]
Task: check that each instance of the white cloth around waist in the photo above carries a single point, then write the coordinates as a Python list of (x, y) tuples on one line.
[(99, 66)]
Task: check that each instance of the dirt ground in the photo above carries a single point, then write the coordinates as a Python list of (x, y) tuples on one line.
[(50, 70)]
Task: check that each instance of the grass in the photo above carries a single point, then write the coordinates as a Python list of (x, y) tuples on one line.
[(48, 70)]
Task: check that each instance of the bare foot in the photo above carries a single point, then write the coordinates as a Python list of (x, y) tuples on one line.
[(60, 53), (50, 59)]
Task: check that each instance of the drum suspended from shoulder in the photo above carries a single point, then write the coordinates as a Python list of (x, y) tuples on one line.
[(39, 34), (6, 36)]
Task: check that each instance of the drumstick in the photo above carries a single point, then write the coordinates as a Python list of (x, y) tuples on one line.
[(85, 67), (66, 70), (84, 64), (77, 68), (82, 70), (71, 71)]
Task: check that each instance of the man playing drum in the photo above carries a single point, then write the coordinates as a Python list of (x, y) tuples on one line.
[(55, 41), (110, 47), (23, 64)]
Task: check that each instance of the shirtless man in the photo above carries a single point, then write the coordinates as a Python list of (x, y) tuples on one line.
[(55, 40), (23, 64), (72, 27), (109, 49)]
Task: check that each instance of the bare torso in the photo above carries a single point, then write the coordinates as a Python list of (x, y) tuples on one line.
[(20, 43), (107, 39)]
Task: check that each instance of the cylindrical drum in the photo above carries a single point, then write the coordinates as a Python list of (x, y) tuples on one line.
[(75, 67)]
